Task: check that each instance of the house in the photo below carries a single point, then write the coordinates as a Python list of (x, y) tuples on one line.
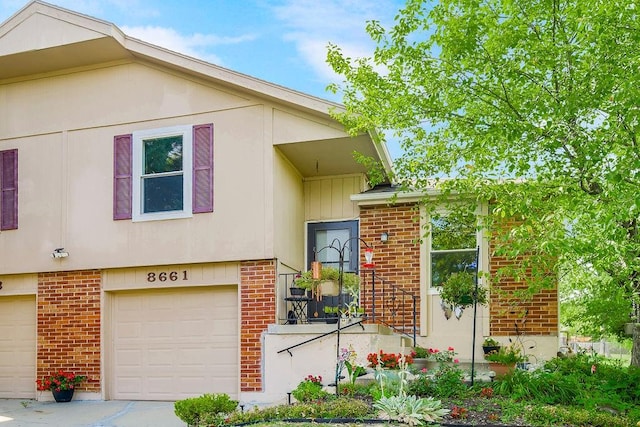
[(153, 207)]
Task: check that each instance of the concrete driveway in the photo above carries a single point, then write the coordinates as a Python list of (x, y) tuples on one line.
[(87, 413)]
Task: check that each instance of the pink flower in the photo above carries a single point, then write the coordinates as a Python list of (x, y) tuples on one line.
[(456, 361), (593, 369)]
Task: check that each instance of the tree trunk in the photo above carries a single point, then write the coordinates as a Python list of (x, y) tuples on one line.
[(635, 351)]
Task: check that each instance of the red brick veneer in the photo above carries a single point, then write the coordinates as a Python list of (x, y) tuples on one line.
[(68, 313), (258, 310), (398, 260)]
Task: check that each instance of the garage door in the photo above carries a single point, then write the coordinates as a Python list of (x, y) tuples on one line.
[(173, 344), (18, 347)]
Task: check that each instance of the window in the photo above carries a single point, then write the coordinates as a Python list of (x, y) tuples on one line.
[(9, 189), (163, 173), (323, 234), (453, 245)]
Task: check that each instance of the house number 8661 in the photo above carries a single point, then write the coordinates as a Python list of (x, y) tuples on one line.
[(172, 276)]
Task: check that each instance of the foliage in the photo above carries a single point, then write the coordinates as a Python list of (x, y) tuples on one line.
[(59, 381), (344, 407), (420, 352), (447, 355), (530, 106), (309, 389), (445, 382), (387, 360), (205, 410), (305, 280), (410, 410), (347, 359), (459, 289), (561, 415), (506, 355)]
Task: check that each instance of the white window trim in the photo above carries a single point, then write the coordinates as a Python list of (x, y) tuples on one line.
[(435, 290), (187, 170), (426, 291)]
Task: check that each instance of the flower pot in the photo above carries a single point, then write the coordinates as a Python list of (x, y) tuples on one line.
[(296, 292), (501, 369), (329, 287), (63, 395), (490, 348), (331, 318)]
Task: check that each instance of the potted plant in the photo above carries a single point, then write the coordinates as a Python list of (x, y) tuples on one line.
[(460, 290), (61, 383), (490, 345), (331, 313), (504, 360), (328, 284), (297, 289), (420, 357)]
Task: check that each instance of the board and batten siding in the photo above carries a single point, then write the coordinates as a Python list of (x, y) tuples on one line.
[(329, 198)]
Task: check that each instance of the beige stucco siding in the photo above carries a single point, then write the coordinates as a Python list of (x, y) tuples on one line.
[(120, 93), (65, 180), (289, 217)]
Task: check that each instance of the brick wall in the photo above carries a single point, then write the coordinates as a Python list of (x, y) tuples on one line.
[(512, 311), (398, 260), (258, 310), (68, 313)]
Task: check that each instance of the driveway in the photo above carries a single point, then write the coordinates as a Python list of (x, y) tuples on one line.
[(87, 413)]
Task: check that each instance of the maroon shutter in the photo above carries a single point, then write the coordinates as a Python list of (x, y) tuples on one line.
[(122, 173), (203, 168), (9, 189)]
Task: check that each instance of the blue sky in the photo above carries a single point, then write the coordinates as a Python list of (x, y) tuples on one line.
[(281, 41)]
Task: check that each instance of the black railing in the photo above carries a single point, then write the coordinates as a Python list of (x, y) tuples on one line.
[(383, 301), (389, 304)]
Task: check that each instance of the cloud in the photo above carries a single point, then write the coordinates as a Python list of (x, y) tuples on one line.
[(195, 45), (312, 25)]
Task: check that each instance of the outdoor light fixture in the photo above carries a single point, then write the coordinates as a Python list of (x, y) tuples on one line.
[(384, 237), (59, 253)]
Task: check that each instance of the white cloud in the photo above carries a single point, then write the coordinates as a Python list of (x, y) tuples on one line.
[(195, 45), (311, 25)]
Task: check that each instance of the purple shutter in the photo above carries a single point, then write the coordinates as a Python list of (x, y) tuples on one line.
[(203, 168), (122, 173), (9, 189)]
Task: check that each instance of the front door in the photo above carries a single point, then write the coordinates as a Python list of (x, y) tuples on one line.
[(328, 240)]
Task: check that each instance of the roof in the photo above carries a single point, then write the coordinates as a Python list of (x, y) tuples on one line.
[(43, 38)]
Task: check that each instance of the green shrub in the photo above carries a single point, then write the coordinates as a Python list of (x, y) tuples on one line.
[(205, 410), (343, 407), (309, 389), (447, 381), (561, 415)]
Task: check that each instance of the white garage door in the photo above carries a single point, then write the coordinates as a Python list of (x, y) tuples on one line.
[(175, 343), (18, 347)]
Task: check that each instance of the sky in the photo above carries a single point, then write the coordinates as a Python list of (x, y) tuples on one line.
[(280, 41)]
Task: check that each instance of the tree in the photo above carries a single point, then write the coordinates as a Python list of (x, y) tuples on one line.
[(532, 104)]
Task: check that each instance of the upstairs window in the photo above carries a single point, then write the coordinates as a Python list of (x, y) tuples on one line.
[(163, 173), (162, 183)]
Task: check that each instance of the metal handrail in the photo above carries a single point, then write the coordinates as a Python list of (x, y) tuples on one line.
[(391, 305), (339, 328), (392, 299)]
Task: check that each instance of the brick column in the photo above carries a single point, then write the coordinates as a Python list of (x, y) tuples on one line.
[(398, 260), (258, 310), (68, 313)]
